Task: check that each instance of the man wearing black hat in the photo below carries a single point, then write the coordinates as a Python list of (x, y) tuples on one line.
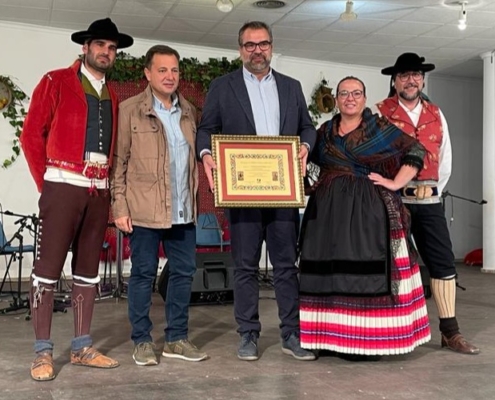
[(410, 110), (68, 139)]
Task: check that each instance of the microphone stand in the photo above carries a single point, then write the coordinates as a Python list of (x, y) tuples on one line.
[(18, 302), (447, 193)]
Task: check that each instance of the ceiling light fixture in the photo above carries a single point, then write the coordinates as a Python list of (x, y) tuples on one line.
[(462, 16), (348, 14), (225, 5)]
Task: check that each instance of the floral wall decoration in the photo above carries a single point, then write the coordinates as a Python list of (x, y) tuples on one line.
[(12, 99), (322, 101)]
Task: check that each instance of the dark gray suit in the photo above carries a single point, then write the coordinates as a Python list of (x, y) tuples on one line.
[(228, 111)]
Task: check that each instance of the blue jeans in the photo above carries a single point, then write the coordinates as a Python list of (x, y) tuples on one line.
[(179, 243)]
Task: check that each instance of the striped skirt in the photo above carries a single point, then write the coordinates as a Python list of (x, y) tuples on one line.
[(369, 326)]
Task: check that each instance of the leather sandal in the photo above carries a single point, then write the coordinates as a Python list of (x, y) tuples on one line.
[(42, 367), (90, 357)]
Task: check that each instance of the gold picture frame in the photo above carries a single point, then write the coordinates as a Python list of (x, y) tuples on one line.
[(257, 171)]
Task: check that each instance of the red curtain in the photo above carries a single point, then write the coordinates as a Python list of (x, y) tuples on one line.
[(193, 93)]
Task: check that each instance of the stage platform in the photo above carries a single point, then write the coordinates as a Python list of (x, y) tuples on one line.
[(430, 373)]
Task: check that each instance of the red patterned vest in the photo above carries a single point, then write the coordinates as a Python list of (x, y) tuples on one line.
[(429, 131)]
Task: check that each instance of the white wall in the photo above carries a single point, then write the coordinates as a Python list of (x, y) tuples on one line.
[(461, 101), (29, 51), (310, 73)]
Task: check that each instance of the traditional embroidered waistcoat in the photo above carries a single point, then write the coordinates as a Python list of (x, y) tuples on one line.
[(429, 132), (99, 123)]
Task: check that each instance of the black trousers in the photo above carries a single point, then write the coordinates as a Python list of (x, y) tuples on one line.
[(280, 228), (432, 238)]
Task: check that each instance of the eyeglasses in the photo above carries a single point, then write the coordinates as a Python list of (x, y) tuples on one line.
[(356, 94), (251, 46), (404, 77)]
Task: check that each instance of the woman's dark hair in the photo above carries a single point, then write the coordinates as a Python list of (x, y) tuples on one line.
[(351, 78)]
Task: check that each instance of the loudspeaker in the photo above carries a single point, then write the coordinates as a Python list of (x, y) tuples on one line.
[(213, 281)]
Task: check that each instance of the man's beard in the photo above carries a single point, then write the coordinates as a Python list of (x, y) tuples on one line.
[(410, 97), (259, 66), (98, 66)]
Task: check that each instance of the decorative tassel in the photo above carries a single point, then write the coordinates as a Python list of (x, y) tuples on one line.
[(93, 190)]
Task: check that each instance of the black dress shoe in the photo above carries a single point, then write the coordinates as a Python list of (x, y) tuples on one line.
[(459, 344)]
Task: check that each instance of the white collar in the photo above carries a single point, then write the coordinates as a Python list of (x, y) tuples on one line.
[(159, 104), (416, 110), (90, 76), (252, 77)]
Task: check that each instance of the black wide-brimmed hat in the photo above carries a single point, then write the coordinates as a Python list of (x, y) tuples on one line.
[(103, 29), (408, 62)]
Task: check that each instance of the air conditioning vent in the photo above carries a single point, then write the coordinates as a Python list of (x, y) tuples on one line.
[(269, 4)]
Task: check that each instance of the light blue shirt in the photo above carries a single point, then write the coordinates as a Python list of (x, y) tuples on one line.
[(178, 149), (263, 96)]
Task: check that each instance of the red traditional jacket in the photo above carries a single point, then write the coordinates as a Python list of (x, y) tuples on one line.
[(428, 132), (55, 126)]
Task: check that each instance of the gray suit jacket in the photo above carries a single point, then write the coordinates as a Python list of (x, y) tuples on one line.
[(227, 110)]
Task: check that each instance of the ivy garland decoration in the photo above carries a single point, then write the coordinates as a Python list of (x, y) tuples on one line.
[(128, 68), (15, 114)]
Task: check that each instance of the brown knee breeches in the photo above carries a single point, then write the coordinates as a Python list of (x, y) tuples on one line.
[(70, 216)]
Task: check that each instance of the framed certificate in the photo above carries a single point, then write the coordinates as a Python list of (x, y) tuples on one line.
[(257, 171)]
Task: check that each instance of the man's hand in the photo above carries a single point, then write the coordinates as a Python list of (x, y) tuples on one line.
[(303, 156), (386, 183), (124, 224), (209, 166)]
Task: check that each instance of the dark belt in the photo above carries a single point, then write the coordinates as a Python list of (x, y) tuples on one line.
[(419, 192)]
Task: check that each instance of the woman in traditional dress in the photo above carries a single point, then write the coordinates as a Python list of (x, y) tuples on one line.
[(361, 291)]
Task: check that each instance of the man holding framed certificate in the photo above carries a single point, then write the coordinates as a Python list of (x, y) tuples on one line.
[(258, 101)]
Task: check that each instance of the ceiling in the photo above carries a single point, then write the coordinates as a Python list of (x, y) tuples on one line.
[(302, 28)]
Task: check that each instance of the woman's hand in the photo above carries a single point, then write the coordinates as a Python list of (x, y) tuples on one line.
[(405, 174), (390, 184)]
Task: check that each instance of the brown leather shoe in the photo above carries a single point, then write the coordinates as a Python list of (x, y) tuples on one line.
[(42, 367), (90, 357), (459, 344)]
